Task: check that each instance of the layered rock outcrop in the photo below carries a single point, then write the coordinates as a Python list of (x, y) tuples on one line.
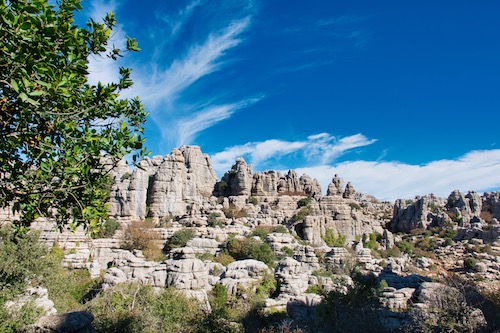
[(240, 181), (160, 187)]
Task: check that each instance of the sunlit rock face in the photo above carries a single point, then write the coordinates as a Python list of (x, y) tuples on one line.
[(161, 186)]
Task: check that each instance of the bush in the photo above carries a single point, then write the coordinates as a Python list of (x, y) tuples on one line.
[(141, 235), (233, 213), (139, 308), (304, 201), (250, 249), (253, 200), (302, 213), (287, 251), (451, 311), (24, 260), (218, 301), (371, 242), (470, 263), (405, 247), (214, 220), (20, 261), (333, 240), (315, 289), (181, 237), (261, 232), (280, 229), (224, 259), (109, 228), (394, 252)]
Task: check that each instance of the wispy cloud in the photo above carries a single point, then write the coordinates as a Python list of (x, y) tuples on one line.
[(188, 128), (476, 170), (200, 60), (177, 21), (319, 147)]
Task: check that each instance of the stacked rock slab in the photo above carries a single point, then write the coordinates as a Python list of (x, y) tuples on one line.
[(240, 181), (163, 186)]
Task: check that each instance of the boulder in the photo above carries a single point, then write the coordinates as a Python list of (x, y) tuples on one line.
[(70, 322)]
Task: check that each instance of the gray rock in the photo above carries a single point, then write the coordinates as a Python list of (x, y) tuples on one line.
[(70, 322)]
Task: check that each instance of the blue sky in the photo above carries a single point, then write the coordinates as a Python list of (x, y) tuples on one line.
[(401, 98)]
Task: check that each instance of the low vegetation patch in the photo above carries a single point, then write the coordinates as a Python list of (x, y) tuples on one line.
[(141, 235), (333, 240), (246, 248), (181, 237)]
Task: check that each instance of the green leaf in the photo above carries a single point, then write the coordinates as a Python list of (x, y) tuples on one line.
[(36, 93), (14, 85), (25, 26), (132, 44)]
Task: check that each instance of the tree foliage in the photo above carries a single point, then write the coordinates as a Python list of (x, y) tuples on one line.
[(56, 128)]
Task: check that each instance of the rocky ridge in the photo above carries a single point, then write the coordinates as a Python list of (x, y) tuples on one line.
[(180, 191)]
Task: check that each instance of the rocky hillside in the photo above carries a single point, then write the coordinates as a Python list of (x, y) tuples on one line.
[(179, 226)]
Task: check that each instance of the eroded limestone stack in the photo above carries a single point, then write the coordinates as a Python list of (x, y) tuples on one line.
[(163, 186), (422, 213), (240, 181)]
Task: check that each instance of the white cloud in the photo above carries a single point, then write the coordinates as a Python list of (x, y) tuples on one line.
[(476, 170), (188, 128), (318, 147), (164, 86), (101, 68), (177, 22)]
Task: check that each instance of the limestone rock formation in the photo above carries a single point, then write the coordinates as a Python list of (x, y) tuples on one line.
[(169, 185), (349, 191), (422, 213), (244, 273), (240, 181), (336, 187)]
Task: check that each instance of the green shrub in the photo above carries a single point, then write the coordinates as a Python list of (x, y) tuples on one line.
[(266, 287), (393, 252), (470, 263), (214, 220), (205, 256), (233, 213), (139, 308), (253, 200), (372, 243), (109, 228), (224, 258), (280, 229), (260, 232), (20, 261), (16, 320), (405, 247), (323, 273), (181, 237), (333, 240), (304, 201), (302, 213), (218, 301), (315, 289), (287, 251), (250, 249)]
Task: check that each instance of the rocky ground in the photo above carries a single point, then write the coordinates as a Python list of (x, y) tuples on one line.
[(178, 226)]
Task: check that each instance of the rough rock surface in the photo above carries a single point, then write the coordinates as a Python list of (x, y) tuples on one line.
[(243, 273), (421, 213), (240, 181), (169, 185), (70, 322)]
